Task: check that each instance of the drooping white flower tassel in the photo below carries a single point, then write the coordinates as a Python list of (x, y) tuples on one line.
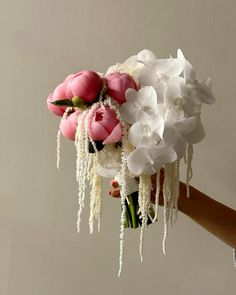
[(123, 194), (81, 142), (157, 195), (166, 193), (95, 196), (171, 195), (58, 148), (145, 187), (176, 189), (59, 137)]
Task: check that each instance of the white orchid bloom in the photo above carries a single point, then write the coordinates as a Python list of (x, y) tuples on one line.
[(197, 91), (146, 134), (178, 130), (149, 160), (181, 117), (177, 94), (158, 72), (150, 153), (139, 105)]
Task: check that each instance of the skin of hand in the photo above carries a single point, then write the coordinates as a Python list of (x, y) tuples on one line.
[(215, 217)]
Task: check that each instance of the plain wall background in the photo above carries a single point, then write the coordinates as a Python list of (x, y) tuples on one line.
[(40, 251)]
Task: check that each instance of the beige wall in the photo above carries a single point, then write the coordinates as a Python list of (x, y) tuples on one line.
[(40, 252)]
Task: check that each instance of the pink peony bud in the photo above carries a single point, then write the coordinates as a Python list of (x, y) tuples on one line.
[(58, 94), (57, 110), (67, 86), (68, 125), (117, 84), (104, 126), (85, 84)]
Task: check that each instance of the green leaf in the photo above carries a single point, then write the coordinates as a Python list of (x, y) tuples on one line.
[(63, 102)]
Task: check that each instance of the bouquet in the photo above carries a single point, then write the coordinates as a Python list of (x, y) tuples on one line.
[(139, 118)]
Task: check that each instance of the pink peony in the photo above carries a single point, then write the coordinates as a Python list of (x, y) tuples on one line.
[(85, 84), (58, 94), (67, 85), (68, 125), (104, 126), (117, 84)]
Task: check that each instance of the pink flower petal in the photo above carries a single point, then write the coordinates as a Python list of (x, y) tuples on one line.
[(58, 111), (115, 135), (67, 85), (87, 85), (97, 131), (59, 92), (109, 119), (68, 125)]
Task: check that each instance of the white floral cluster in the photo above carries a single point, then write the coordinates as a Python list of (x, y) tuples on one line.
[(164, 121), (165, 113)]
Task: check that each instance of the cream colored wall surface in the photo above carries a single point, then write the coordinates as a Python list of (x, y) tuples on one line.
[(40, 251)]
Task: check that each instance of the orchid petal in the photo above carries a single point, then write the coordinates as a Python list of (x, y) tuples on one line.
[(148, 76), (137, 160), (131, 95), (142, 116), (196, 135), (156, 124), (180, 83), (161, 155), (171, 93), (204, 93), (139, 105), (186, 125), (128, 113), (148, 99), (173, 114), (191, 105), (149, 160), (170, 66), (189, 73), (145, 56), (140, 135), (179, 146), (172, 138)]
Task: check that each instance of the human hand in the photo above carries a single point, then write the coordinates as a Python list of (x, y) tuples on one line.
[(115, 188)]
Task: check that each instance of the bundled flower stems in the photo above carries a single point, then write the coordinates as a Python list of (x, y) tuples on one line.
[(139, 117)]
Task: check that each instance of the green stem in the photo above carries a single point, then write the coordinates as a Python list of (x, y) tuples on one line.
[(126, 220), (133, 212)]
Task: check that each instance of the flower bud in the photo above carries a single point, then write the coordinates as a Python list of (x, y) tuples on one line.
[(58, 94), (117, 84), (86, 85), (104, 126), (68, 125)]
